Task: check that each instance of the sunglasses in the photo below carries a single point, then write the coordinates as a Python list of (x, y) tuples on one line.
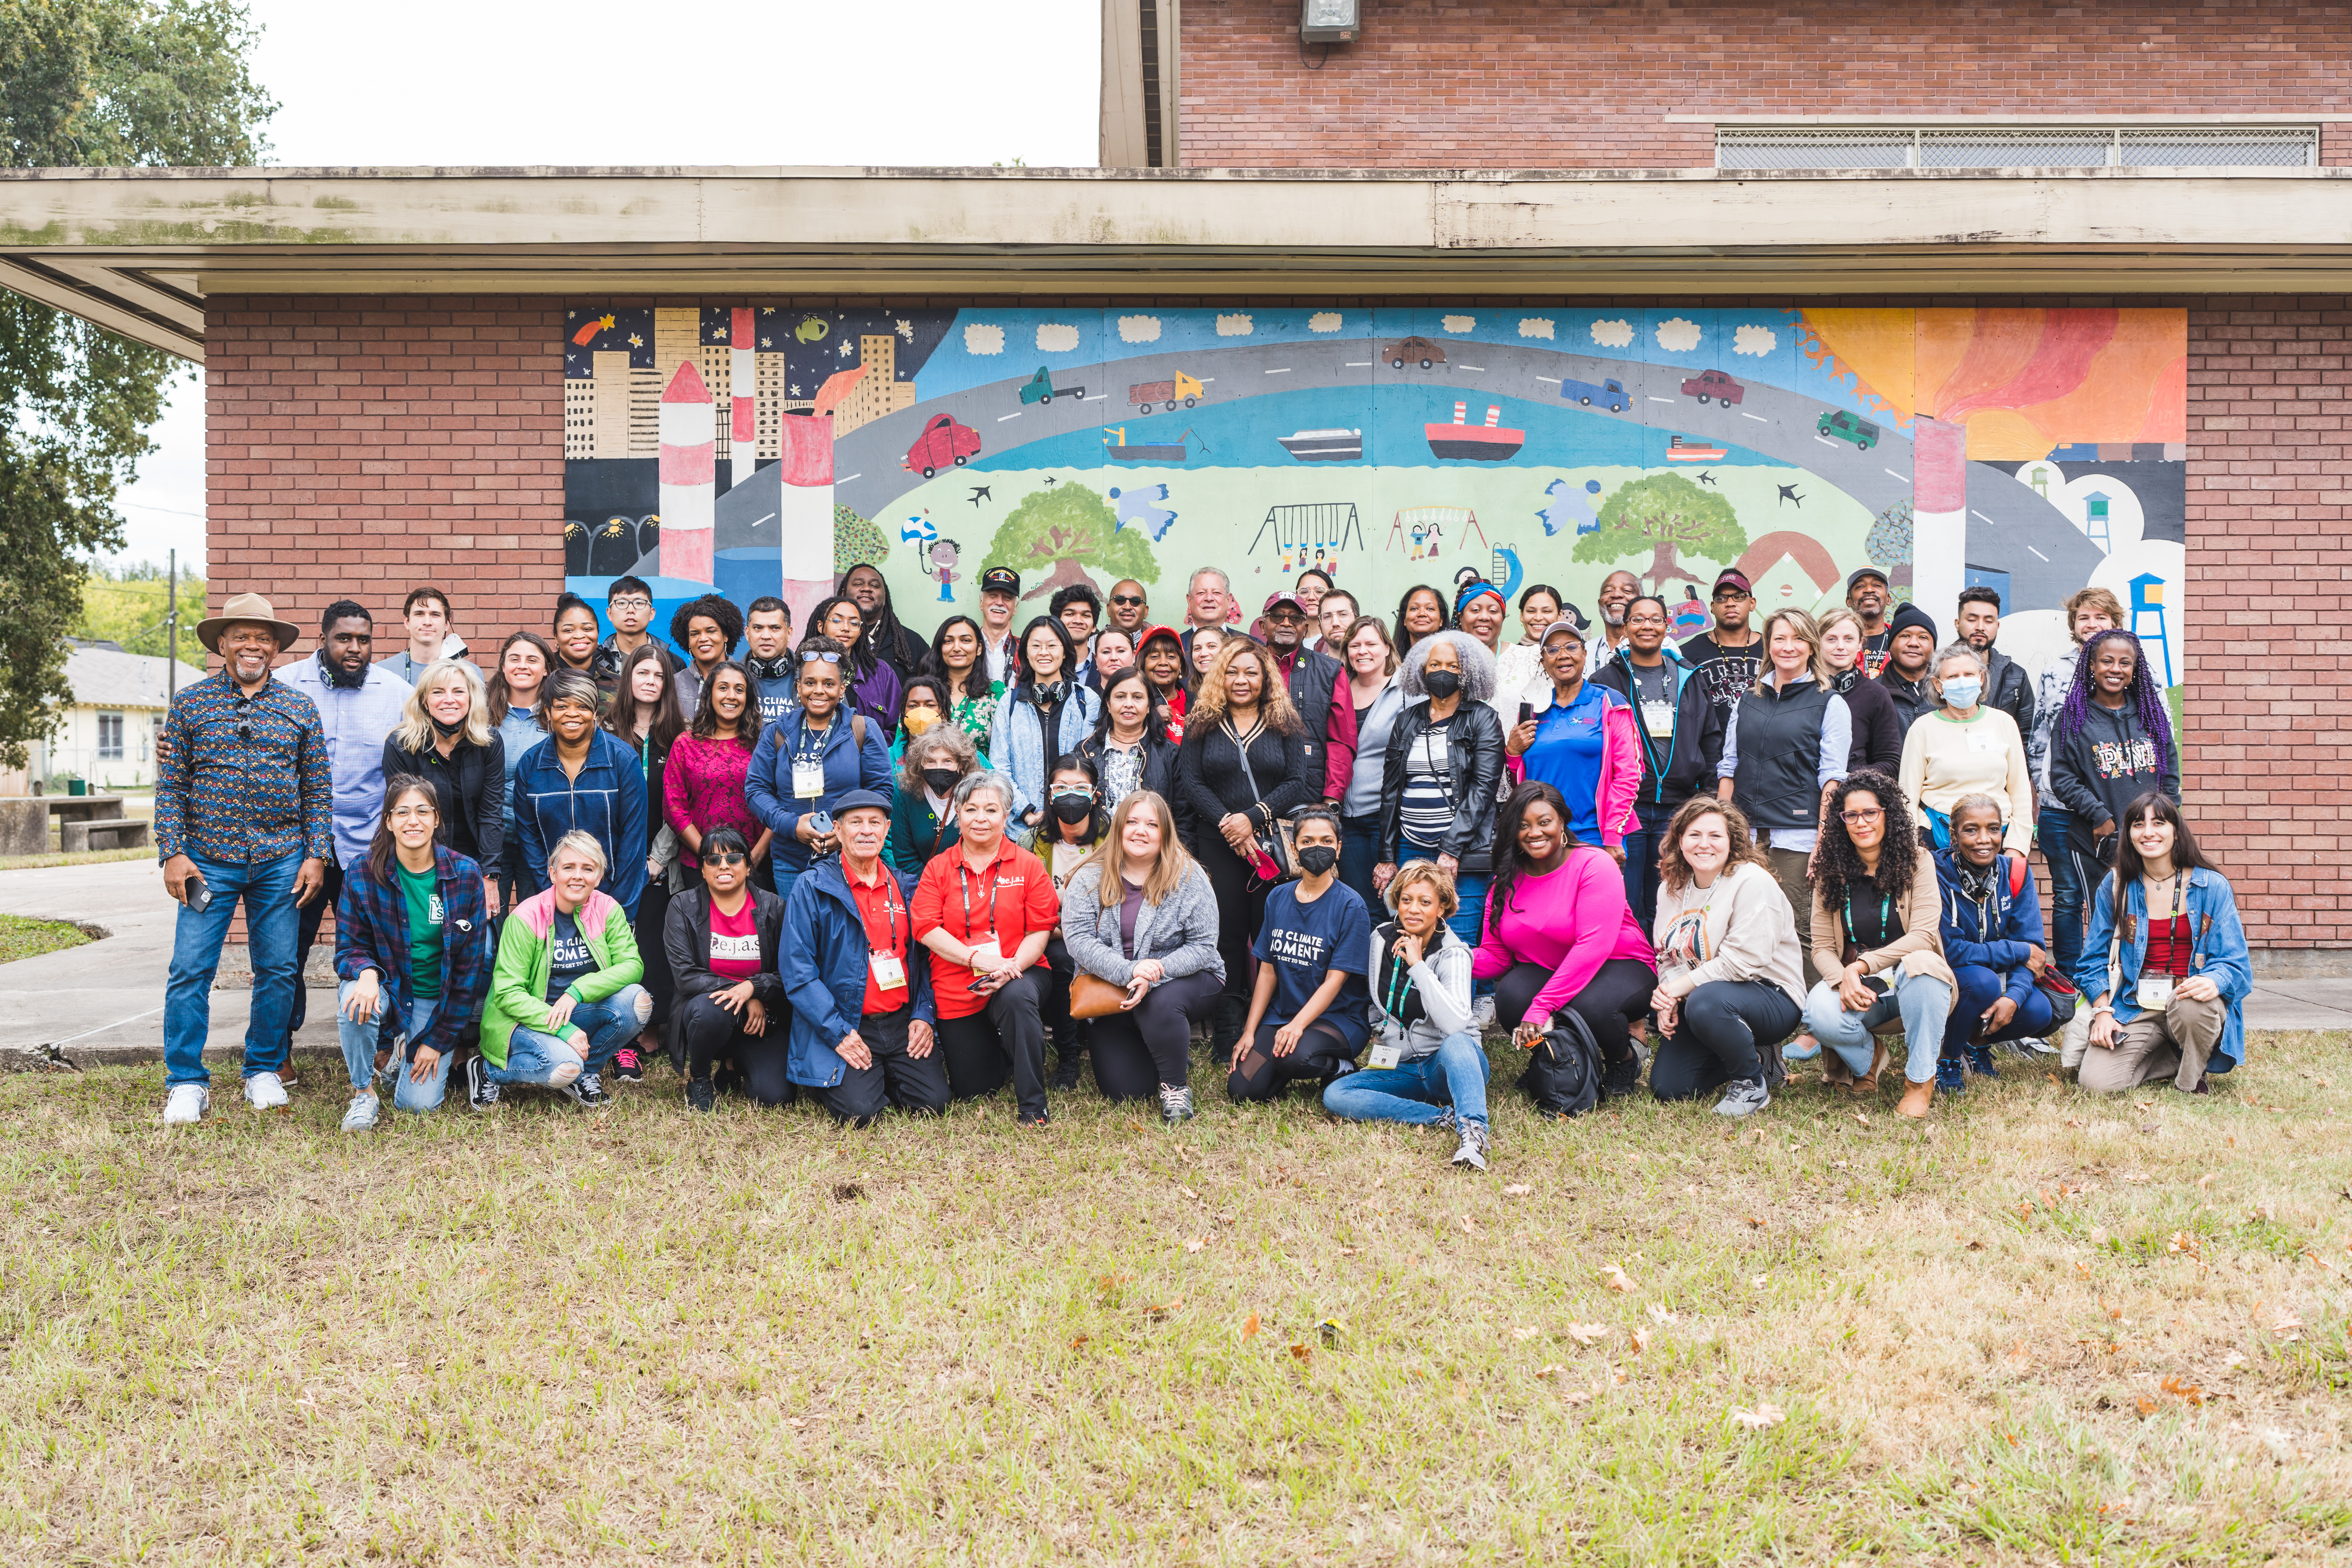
[(1127, 599), (814, 658), (726, 857)]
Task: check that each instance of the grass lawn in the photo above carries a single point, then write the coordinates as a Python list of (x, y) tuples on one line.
[(2039, 1329), (21, 936)]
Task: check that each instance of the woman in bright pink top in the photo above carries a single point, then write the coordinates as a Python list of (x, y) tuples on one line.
[(703, 784), (1558, 935)]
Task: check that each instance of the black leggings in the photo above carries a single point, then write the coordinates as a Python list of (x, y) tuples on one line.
[(1137, 1052), (1714, 1041), (1241, 910), (1004, 1039), (1067, 1034), (1610, 1002), (713, 1035), (1259, 1075), (653, 912)]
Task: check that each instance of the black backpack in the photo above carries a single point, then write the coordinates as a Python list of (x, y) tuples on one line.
[(1563, 1076)]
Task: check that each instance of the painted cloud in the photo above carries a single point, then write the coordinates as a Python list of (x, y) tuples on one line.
[(1615, 334), (1755, 340), (1233, 326), (1057, 337), (984, 338), (1678, 334), (1138, 329), (1458, 324), (1535, 326), (1323, 321)]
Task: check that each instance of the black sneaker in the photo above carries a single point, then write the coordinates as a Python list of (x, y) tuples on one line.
[(1066, 1071), (1043, 1118), (1621, 1077), (586, 1090), (726, 1081), (701, 1094), (627, 1066), (480, 1092), (1175, 1104)]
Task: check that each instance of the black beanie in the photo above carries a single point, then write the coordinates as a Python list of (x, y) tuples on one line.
[(1908, 616)]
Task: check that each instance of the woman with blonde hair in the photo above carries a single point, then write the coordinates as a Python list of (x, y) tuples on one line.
[(1141, 915), (1786, 744), (446, 737), (1877, 727), (1730, 986), (1246, 762)]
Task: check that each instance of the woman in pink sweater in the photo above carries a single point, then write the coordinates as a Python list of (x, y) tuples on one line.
[(703, 783), (1558, 934)]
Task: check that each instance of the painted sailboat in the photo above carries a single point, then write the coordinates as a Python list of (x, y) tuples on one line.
[(1489, 443)]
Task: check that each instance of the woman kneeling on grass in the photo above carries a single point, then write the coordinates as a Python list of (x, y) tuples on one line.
[(1142, 915), (1992, 941), (1877, 942), (1306, 1010), (1427, 1067), (722, 940), (411, 930), (564, 993), (2165, 962), (1730, 986)]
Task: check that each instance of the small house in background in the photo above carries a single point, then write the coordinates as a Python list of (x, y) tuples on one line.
[(107, 736)]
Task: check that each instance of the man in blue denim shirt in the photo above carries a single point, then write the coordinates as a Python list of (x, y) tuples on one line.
[(243, 808)]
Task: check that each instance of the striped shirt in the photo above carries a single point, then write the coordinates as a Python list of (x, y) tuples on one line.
[(1427, 810)]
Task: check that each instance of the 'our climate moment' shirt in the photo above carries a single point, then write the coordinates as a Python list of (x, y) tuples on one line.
[(1304, 942), (570, 956)]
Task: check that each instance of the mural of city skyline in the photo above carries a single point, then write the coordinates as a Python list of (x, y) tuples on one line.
[(763, 448)]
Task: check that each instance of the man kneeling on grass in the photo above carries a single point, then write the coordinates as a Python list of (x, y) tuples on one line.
[(565, 992), (862, 1015)]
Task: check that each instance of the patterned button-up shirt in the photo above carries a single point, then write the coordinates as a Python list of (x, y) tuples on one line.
[(241, 779)]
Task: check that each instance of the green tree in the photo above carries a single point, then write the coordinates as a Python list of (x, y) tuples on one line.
[(1053, 535), (857, 541), (1665, 514), (108, 82), (127, 604)]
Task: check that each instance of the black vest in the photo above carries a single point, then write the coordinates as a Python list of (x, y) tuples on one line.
[(1313, 677), (1778, 780)]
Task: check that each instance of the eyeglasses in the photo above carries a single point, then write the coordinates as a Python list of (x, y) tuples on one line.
[(409, 812), (726, 858), (1859, 818), (1127, 599), (632, 602)]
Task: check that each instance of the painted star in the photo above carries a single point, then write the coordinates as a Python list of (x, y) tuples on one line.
[(906, 331), (767, 310), (845, 350), (796, 389), (635, 342), (767, 343), (717, 334)]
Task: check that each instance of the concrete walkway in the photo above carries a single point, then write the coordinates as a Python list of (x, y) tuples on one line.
[(103, 1001)]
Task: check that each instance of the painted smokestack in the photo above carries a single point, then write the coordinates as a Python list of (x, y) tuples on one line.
[(689, 491), (743, 383), (805, 508)]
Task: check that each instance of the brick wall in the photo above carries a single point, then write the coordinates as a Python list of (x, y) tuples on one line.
[(358, 448), (2270, 553), (1539, 84)]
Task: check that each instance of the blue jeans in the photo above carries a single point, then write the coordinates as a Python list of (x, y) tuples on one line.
[(360, 1041), (1360, 851), (268, 888), (1417, 1091), (542, 1060), (785, 876), (1472, 891), (1922, 1003), (1642, 844), (2065, 886), (1979, 988)]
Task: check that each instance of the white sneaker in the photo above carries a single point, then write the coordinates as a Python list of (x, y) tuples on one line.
[(263, 1091), (1482, 1013), (187, 1104), (361, 1117)]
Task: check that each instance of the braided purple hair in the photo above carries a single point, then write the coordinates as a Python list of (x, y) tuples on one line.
[(2145, 698)]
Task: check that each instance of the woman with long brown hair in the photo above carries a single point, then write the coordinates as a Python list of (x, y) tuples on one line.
[(1142, 915), (645, 717), (1730, 983)]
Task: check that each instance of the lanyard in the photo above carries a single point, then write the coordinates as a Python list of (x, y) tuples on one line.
[(804, 751), (1673, 698), (889, 912), (963, 886), (1885, 916), (1398, 986)]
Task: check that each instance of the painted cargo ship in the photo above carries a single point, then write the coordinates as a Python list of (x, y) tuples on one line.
[(1324, 446), (1681, 451), (1115, 447), (1487, 443)]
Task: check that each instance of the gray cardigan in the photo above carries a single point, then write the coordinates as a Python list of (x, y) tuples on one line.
[(1181, 932)]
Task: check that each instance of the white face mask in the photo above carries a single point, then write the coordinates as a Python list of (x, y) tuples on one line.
[(1963, 691)]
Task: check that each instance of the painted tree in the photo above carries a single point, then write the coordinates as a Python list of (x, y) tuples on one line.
[(1053, 535), (1668, 516), (111, 82), (857, 541)]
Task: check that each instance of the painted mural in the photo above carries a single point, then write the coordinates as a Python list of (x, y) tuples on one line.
[(763, 448)]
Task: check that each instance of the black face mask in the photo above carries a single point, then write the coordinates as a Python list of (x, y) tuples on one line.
[(1442, 683), (1317, 859), (447, 732), (1074, 808)]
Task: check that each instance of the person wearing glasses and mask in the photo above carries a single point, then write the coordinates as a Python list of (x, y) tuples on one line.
[(922, 812), (806, 761)]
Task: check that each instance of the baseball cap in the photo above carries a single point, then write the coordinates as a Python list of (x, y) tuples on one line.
[(1732, 579), (1859, 572), (1001, 580), (1283, 596)]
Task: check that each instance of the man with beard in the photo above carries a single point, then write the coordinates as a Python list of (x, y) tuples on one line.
[(2006, 686), (767, 654), (1728, 657), (1910, 648), (1127, 607), (1868, 596), (1618, 590), (884, 637), (1313, 681)]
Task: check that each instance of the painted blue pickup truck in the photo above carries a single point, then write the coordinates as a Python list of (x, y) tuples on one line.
[(1610, 393)]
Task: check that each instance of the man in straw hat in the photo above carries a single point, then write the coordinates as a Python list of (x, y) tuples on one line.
[(243, 809)]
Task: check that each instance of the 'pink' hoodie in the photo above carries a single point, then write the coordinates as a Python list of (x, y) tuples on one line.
[(1572, 922)]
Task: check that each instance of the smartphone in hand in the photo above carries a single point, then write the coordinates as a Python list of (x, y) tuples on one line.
[(1526, 711), (196, 894)]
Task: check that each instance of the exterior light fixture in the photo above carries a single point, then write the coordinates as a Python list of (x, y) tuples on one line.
[(1329, 21)]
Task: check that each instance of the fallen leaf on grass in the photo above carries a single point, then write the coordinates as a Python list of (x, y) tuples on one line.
[(2234, 1360), (2206, 1180), (1195, 1243), (1159, 1314), (1617, 1279), (2288, 1327), (1658, 1313), (1577, 1397), (1249, 1327), (1347, 1252), (2188, 1393), (1550, 1369), (2071, 1122), (1762, 1417), (2136, 1179), (1759, 1223), (2181, 1241), (1640, 1340), (1465, 1226), (1189, 1193), (1302, 1352), (2146, 1405), (1586, 1334), (1758, 1281), (1518, 1190), (1077, 1342), (1976, 1246)]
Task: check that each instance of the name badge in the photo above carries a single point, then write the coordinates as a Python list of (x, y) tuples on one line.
[(1386, 1056), (2154, 991), (1658, 717), (1983, 742), (808, 780), (889, 972)]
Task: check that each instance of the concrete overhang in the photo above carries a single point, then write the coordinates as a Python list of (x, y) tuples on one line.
[(140, 250)]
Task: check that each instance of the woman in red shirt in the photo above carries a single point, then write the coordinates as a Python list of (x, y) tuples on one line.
[(986, 908), (722, 940)]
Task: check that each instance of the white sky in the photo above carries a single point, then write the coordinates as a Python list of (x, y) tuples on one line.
[(473, 82)]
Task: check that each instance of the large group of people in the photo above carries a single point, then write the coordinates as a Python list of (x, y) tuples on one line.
[(1329, 850)]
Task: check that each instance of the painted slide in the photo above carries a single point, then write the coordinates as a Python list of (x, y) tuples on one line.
[(764, 449)]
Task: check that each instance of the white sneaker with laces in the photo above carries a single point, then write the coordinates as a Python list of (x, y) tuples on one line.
[(1482, 1013), (362, 1116), (187, 1104), (264, 1091)]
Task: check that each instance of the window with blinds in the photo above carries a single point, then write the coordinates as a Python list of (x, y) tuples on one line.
[(2016, 147)]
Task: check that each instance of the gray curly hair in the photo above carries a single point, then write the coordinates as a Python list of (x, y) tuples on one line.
[(1477, 665), (947, 736)]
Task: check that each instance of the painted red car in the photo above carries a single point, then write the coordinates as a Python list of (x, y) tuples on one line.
[(1714, 385), (942, 442)]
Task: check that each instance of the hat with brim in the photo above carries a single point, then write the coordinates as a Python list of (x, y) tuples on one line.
[(1556, 628), (248, 608)]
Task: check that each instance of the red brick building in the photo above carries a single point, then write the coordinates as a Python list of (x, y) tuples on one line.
[(393, 395)]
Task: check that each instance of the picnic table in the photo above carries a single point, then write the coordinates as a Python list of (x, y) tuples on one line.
[(87, 821)]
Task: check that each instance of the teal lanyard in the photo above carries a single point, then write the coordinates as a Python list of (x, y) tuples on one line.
[(1886, 917), (1398, 986)]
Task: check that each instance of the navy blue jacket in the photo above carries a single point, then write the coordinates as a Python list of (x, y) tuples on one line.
[(607, 802), (1993, 934), (825, 967), (768, 786)]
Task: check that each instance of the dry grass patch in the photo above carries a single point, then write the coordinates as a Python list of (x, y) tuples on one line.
[(2042, 1329)]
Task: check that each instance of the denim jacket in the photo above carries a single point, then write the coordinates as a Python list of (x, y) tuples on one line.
[(2217, 935)]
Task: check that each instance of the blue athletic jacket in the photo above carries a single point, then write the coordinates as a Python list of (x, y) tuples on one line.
[(768, 785), (823, 967), (1993, 934)]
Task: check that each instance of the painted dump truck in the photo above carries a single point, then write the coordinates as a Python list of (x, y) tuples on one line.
[(1144, 394)]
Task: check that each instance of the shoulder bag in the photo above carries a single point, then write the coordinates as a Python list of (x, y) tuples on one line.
[(1277, 845), (2055, 988)]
